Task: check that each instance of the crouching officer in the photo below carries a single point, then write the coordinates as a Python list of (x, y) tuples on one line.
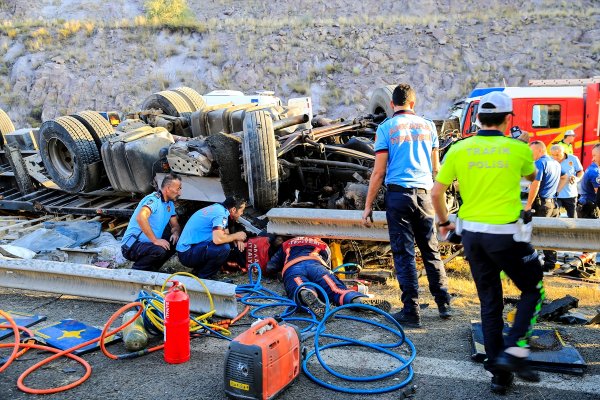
[(148, 240), (489, 167), (307, 259), (205, 243)]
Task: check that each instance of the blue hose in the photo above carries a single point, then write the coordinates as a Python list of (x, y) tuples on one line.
[(405, 364), (254, 291)]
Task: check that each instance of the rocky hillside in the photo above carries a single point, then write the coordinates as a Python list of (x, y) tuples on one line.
[(58, 57)]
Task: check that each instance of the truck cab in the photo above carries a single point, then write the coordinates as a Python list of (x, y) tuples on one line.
[(547, 109)]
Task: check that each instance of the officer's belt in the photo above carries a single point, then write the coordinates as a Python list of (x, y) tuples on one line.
[(397, 188), (480, 227)]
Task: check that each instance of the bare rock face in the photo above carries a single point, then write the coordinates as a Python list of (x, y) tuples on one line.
[(338, 56)]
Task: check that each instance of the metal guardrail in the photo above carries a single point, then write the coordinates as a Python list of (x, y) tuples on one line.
[(548, 233), (110, 284)]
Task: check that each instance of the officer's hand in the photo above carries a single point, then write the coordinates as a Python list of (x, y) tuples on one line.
[(241, 246), (572, 179), (524, 137), (174, 238), (443, 230), (241, 236), (162, 243), (367, 217)]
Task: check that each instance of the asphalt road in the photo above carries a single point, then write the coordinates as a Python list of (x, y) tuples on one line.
[(443, 369)]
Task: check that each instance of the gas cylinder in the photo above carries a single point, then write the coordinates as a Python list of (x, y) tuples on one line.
[(135, 336), (177, 325)]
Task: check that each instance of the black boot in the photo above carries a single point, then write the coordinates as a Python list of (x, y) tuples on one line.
[(518, 365), (408, 319), (501, 381), (445, 311)]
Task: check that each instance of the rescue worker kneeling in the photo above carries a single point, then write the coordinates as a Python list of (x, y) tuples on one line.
[(308, 259)]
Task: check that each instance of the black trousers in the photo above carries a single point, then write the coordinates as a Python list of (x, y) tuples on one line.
[(587, 210), (148, 256), (410, 220), (488, 254), (569, 205), (547, 208)]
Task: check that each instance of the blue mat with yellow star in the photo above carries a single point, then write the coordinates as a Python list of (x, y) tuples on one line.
[(21, 319), (69, 333)]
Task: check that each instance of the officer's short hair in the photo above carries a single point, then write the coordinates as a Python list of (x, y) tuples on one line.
[(234, 201), (403, 94), (491, 119), (168, 179), (557, 147)]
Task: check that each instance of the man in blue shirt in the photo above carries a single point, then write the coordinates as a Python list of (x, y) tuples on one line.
[(549, 180), (205, 242), (587, 206), (406, 148), (147, 241), (570, 165)]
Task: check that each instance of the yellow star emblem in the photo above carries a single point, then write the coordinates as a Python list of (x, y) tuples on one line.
[(71, 334)]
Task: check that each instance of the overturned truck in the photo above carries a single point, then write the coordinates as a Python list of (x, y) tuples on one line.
[(222, 143)]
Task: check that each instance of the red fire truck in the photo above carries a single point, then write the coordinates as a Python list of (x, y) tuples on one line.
[(547, 109)]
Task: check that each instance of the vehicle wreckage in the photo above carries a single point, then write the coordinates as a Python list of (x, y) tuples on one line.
[(222, 143)]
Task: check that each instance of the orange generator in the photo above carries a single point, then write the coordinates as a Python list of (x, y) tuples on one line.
[(263, 361)]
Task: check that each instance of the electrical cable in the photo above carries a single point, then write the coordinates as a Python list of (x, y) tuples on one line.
[(150, 305)]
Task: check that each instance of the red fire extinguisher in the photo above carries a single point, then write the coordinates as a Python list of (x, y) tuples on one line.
[(177, 325)]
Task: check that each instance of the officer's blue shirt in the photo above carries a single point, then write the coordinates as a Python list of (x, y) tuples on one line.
[(548, 173), (201, 225), (570, 166), (162, 211), (589, 182), (408, 139)]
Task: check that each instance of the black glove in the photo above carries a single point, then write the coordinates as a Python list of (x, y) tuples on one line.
[(526, 216)]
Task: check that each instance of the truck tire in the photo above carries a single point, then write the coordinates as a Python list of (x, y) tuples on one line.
[(6, 126), (259, 153), (193, 98), (100, 129), (170, 102), (380, 101), (70, 155)]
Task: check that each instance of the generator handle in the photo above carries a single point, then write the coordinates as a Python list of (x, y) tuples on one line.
[(263, 323)]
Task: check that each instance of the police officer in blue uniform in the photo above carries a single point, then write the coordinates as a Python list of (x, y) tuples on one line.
[(205, 242), (406, 148), (571, 166), (549, 181), (589, 199), (148, 240)]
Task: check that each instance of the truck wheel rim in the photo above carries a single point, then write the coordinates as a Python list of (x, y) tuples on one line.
[(61, 157)]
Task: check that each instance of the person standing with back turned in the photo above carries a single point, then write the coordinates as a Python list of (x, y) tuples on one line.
[(549, 181), (489, 167), (406, 148)]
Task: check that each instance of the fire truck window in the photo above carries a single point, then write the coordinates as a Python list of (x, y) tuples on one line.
[(545, 116), (474, 124)]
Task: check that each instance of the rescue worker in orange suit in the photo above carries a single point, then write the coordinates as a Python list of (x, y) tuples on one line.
[(307, 259)]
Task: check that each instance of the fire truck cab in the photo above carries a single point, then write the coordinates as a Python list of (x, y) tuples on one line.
[(547, 109)]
